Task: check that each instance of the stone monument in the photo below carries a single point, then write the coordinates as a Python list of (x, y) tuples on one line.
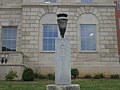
[(62, 59), (62, 63)]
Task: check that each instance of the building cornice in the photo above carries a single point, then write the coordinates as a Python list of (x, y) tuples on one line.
[(77, 4), (10, 7), (55, 4)]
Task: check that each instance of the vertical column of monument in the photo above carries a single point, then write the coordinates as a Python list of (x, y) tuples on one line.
[(62, 62)]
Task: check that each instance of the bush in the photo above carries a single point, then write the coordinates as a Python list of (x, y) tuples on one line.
[(36, 75), (42, 76), (11, 75), (99, 76), (51, 76), (74, 72), (115, 76), (28, 74), (88, 76)]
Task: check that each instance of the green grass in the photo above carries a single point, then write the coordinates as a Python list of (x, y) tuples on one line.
[(98, 84), (41, 85)]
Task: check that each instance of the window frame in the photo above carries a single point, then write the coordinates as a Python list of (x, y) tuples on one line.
[(86, 37), (86, 1), (50, 1), (119, 23), (49, 18), (118, 5), (83, 19), (43, 38), (10, 40)]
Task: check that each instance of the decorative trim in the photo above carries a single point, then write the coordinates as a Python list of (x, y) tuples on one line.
[(87, 9), (22, 65), (10, 7), (11, 52), (61, 4)]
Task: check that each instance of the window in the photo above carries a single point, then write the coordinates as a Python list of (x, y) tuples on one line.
[(119, 23), (50, 32), (51, 1), (118, 5), (86, 1), (88, 37), (9, 38)]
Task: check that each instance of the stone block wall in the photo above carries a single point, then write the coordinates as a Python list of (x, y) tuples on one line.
[(4, 69), (11, 17), (28, 18), (14, 62), (30, 32), (107, 38)]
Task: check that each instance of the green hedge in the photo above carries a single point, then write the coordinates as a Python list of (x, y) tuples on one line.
[(99, 76), (28, 74), (74, 73), (115, 76)]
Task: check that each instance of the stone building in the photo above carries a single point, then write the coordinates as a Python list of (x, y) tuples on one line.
[(28, 29)]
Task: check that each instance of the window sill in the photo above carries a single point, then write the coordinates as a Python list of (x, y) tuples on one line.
[(88, 51), (9, 52), (47, 51)]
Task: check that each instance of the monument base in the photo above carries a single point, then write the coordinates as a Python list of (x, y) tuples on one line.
[(63, 87)]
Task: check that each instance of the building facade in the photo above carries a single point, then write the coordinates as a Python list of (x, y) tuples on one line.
[(28, 29), (117, 13)]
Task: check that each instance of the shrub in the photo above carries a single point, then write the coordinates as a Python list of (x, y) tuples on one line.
[(99, 76), (88, 76), (36, 75), (28, 74), (74, 72), (42, 76), (11, 75), (115, 76), (51, 76)]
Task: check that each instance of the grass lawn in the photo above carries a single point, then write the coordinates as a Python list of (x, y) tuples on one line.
[(41, 85)]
